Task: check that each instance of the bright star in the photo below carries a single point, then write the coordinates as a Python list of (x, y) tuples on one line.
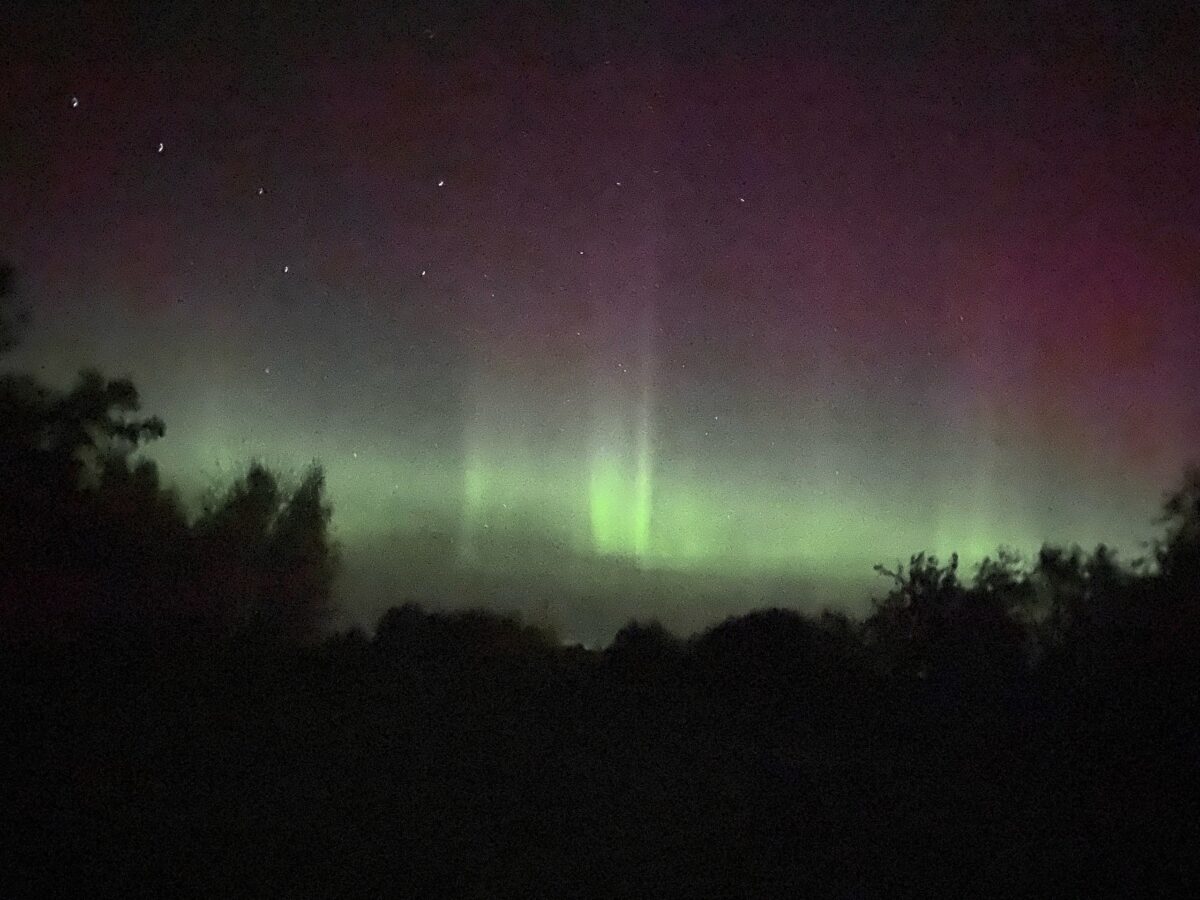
[(74, 102), (160, 148)]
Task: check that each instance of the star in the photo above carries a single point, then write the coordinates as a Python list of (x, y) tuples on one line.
[(442, 183), (260, 192), (422, 273), (285, 270), (160, 147), (74, 102)]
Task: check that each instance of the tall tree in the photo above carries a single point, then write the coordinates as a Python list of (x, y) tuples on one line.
[(306, 560), (271, 563)]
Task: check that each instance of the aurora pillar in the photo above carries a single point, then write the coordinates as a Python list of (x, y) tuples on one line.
[(621, 464)]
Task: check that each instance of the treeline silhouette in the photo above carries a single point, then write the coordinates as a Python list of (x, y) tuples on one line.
[(180, 720)]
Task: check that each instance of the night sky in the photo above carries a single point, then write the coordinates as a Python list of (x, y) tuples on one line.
[(629, 309)]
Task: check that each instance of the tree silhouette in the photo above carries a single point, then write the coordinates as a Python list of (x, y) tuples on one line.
[(907, 620), (306, 562), (271, 561), (1084, 600), (643, 645), (932, 626), (66, 550), (65, 437), (1178, 553)]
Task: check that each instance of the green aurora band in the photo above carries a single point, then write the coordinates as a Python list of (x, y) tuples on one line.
[(594, 491)]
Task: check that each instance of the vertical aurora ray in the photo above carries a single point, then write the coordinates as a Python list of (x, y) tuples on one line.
[(643, 486), (473, 475), (522, 469), (605, 501), (621, 467), (474, 482), (643, 482)]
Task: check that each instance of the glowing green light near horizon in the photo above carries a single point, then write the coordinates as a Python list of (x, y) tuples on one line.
[(587, 519), (473, 505), (643, 486), (642, 496), (620, 504), (621, 470), (605, 505), (607, 492)]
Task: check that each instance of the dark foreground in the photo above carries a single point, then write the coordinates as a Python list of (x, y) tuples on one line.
[(464, 756)]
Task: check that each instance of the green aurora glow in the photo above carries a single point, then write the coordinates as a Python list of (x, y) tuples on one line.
[(526, 484)]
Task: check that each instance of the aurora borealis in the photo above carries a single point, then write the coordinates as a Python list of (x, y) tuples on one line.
[(724, 292)]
